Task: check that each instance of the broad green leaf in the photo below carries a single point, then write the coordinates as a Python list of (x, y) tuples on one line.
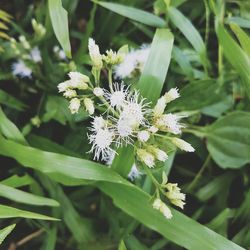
[(202, 94), (242, 22), (11, 101), (243, 38), (5, 232), (24, 197), (122, 246), (228, 140), (58, 165), (11, 212), (150, 86), (59, 20), (189, 31), (180, 229), (134, 14), (50, 239), (16, 181), (235, 55)]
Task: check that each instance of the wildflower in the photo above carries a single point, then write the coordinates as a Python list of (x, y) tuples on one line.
[(19, 68), (118, 96), (158, 153), (143, 135), (69, 93), (74, 105), (146, 157), (78, 80), (63, 86), (98, 123), (183, 145), (160, 106), (101, 142), (98, 92), (171, 95), (24, 42), (170, 123), (94, 53), (112, 58), (134, 173), (163, 208), (124, 128), (89, 105), (153, 129), (35, 55), (174, 195)]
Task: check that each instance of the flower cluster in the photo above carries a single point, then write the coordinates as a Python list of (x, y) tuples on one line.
[(121, 116)]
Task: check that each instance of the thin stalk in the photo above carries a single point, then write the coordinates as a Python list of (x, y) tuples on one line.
[(110, 80)]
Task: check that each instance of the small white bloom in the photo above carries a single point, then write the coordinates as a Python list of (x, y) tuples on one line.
[(35, 54), (112, 58), (63, 86), (19, 68), (94, 53), (98, 123), (89, 105), (143, 135), (24, 42), (158, 153), (74, 105), (160, 106), (183, 145), (153, 129), (146, 157), (169, 122), (134, 173), (101, 142), (98, 92), (69, 93), (78, 80), (59, 53), (163, 208), (124, 130), (174, 195), (171, 95)]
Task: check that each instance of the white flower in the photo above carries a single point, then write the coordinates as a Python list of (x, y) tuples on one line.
[(110, 158), (112, 58), (98, 92), (94, 53), (101, 142), (134, 173), (170, 123), (98, 123), (63, 86), (134, 60), (153, 129), (163, 208), (117, 98), (174, 195), (59, 53), (171, 95), (69, 93), (183, 145), (74, 105), (146, 157), (160, 106), (158, 153), (35, 55), (143, 135), (89, 105), (78, 80), (24, 42), (124, 130), (20, 69)]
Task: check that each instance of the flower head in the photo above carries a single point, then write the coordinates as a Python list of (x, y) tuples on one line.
[(134, 173), (160, 106), (183, 145), (69, 93), (94, 53), (98, 91), (78, 80), (35, 55), (89, 105), (112, 58), (143, 135), (159, 154), (174, 195), (19, 68), (146, 157), (158, 204), (171, 95), (74, 105)]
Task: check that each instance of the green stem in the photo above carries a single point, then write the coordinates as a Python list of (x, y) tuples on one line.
[(110, 80)]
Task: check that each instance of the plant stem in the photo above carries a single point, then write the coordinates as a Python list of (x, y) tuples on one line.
[(110, 80)]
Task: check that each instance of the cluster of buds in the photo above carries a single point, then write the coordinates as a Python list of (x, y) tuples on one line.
[(172, 192), (72, 89), (39, 29), (121, 116)]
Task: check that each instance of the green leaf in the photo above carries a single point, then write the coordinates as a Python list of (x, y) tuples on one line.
[(155, 71), (18, 181), (122, 246), (11, 212), (11, 101), (235, 55), (243, 38), (228, 140), (24, 197), (189, 31), (134, 14), (59, 20), (180, 229), (5, 232)]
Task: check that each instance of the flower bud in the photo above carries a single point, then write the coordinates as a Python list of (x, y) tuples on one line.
[(183, 145), (98, 91), (24, 42), (160, 106), (174, 195), (146, 157), (69, 93), (159, 154), (171, 95), (89, 105), (143, 135), (94, 53), (74, 105), (158, 204)]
